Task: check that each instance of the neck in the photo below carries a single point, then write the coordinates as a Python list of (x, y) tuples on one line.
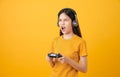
[(68, 36)]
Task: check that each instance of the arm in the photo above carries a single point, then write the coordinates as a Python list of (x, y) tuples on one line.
[(82, 66)]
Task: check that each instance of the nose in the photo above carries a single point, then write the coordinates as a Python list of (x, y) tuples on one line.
[(61, 23)]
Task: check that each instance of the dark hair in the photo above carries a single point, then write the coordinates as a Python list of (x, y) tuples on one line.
[(72, 14)]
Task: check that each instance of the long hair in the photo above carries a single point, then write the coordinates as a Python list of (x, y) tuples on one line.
[(72, 14)]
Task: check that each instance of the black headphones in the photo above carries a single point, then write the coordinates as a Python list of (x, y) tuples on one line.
[(74, 22)]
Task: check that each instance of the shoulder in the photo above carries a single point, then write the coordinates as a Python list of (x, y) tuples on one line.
[(79, 39), (56, 38)]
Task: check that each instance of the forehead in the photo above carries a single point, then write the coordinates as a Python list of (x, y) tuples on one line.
[(64, 16)]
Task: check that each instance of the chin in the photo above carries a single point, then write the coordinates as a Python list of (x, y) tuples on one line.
[(65, 33)]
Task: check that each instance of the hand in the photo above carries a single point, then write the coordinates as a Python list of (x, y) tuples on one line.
[(49, 59), (63, 59)]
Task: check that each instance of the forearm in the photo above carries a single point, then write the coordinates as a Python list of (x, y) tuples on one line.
[(78, 66)]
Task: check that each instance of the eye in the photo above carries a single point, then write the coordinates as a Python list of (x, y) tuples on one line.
[(59, 20), (66, 20)]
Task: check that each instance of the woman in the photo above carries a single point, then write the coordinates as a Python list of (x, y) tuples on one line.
[(70, 45)]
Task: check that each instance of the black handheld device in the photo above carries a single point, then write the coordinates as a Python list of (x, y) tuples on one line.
[(53, 55)]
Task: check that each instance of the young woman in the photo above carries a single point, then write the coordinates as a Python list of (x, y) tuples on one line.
[(70, 45)]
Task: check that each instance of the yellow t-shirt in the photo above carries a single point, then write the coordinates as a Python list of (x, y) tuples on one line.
[(72, 48)]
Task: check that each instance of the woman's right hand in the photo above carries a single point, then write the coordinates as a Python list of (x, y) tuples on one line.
[(49, 59)]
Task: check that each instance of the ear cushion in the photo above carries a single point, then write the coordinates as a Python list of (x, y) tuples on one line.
[(74, 23)]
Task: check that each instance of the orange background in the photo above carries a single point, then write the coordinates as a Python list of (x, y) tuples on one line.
[(27, 28)]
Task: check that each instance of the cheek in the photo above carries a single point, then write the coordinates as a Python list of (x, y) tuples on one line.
[(69, 24), (70, 27), (59, 23)]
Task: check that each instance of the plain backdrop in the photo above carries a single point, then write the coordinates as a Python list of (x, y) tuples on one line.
[(27, 28)]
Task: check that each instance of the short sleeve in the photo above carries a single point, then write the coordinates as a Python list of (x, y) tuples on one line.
[(83, 48), (52, 46)]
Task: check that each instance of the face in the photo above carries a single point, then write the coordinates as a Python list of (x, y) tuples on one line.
[(65, 24)]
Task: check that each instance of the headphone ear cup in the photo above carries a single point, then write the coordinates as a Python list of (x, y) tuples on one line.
[(74, 23)]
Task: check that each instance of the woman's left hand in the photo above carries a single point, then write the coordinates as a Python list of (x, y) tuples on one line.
[(63, 59)]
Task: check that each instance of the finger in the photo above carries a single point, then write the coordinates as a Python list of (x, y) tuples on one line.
[(61, 58)]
